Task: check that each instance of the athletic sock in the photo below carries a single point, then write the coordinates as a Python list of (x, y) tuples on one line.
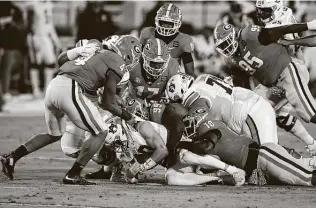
[(75, 169), (20, 152)]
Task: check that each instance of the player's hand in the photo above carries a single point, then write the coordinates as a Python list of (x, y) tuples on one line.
[(89, 49), (285, 42), (311, 25), (311, 148), (131, 173), (132, 121)]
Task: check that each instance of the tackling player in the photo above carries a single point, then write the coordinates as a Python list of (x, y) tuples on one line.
[(243, 111), (168, 21), (269, 163), (65, 96), (271, 65), (272, 13), (42, 41)]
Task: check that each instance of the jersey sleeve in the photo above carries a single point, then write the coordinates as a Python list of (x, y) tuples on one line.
[(188, 46), (116, 64), (190, 97), (173, 67)]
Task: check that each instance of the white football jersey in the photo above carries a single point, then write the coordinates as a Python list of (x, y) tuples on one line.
[(228, 104), (43, 17), (283, 17)]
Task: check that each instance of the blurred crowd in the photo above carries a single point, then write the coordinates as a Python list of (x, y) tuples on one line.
[(18, 74)]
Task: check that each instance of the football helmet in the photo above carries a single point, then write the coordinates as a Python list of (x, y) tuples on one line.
[(138, 107), (155, 57), (168, 19), (127, 46), (177, 86), (198, 122), (268, 10), (225, 39)]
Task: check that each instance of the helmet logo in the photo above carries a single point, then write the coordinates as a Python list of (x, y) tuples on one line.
[(172, 87), (227, 27), (200, 110), (131, 102), (148, 45), (137, 49), (112, 128)]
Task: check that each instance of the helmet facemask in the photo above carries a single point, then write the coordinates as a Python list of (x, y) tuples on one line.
[(155, 67), (227, 46), (190, 129), (166, 26)]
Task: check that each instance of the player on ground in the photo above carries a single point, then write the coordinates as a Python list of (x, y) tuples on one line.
[(269, 163), (168, 21), (42, 41), (271, 65), (105, 68), (243, 111)]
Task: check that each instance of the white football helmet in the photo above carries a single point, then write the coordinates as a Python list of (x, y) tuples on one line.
[(268, 10), (177, 86)]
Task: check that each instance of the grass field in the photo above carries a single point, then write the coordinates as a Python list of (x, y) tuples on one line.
[(38, 181)]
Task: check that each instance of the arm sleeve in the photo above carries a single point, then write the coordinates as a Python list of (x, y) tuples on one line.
[(272, 35)]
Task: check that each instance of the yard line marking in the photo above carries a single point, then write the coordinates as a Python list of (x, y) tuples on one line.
[(46, 205)]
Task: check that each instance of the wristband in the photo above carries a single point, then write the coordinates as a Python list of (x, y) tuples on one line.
[(311, 25), (150, 163), (126, 115)]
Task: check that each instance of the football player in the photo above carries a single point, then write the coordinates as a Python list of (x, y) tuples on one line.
[(272, 13), (168, 21), (64, 97), (271, 65), (243, 111), (269, 163), (43, 42)]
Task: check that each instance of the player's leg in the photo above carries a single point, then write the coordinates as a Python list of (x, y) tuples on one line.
[(49, 59), (72, 140), (84, 114), (261, 122), (55, 123), (278, 164), (291, 124), (211, 162), (185, 175), (35, 60), (295, 80)]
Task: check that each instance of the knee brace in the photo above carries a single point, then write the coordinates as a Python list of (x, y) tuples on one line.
[(286, 122)]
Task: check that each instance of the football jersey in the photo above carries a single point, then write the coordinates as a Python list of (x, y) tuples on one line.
[(265, 63), (42, 18), (231, 148), (228, 104), (151, 89), (91, 72), (181, 43)]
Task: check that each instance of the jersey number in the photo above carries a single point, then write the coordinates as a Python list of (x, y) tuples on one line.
[(149, 93), (219, 82), (250, 63)]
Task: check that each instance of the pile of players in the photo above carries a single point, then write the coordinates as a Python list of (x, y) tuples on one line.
[(126, 106)]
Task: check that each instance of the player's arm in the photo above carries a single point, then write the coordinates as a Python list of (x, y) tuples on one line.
[(108, 100), (187, 58), (270, 35), (69, 55), (309, 41), (143, 37)]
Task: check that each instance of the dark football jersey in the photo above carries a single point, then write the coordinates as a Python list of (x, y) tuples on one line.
[(265, 63), (151, 89), (181, 43), (91, 72)]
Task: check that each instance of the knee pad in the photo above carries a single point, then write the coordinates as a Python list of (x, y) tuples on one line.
[(286, 122)]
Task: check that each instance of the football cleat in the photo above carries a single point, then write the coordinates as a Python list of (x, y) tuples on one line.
[(8, 164), (100, 174), (76, 180)]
